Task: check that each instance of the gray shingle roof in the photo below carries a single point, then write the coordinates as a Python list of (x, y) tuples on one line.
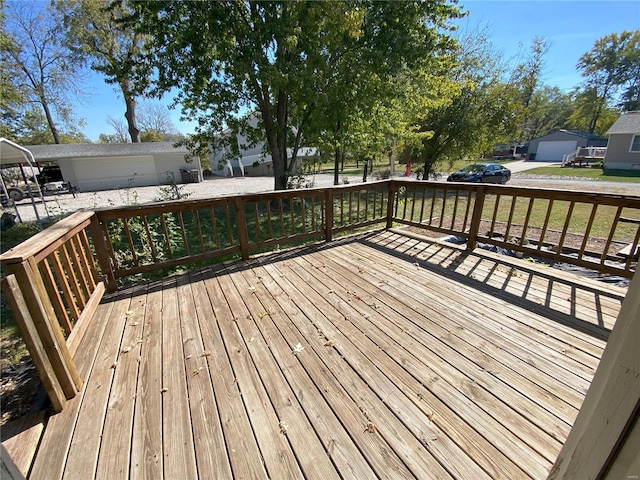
[(628, 122), (86, 150)]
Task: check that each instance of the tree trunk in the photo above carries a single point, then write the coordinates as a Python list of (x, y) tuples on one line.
[(130, 115), (336, 166), (52, 125)]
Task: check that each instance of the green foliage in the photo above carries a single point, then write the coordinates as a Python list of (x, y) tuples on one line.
[(286, 61), (474, 114), (39, 74), (96, 35), (611, 71)]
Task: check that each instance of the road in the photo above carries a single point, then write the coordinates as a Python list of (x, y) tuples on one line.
[(64, 204)]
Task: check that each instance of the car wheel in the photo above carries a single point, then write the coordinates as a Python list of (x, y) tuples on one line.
[(503, 180), (15, 194)]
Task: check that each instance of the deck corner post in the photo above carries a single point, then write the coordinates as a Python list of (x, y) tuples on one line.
[(391, 200), (241, 221), (328, 215), (43, 315), (102, 253), (32, 340), (476, 218)]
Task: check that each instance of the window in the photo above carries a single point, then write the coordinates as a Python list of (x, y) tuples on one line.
[(635, 144)]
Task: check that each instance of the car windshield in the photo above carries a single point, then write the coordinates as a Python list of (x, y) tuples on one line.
[(476, 167)]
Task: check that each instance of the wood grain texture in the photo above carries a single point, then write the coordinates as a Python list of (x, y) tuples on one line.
[(376, 356)]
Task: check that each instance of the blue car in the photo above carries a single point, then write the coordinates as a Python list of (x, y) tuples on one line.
[(481, 173)]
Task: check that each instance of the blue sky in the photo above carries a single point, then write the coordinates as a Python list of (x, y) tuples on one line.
[(570, 28)]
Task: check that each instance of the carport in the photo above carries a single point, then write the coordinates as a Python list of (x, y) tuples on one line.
[(13, 154)]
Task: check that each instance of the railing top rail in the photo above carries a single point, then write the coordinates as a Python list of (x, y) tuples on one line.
[(46, 241), (632, 201)]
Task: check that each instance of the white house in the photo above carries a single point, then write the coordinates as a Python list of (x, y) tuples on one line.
[(104, 166), (252, 161), (623, 152)]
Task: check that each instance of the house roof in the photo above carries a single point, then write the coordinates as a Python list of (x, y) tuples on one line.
[(87, 150), (628, 122)]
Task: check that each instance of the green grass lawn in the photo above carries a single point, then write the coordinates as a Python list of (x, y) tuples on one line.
[(593, 173)]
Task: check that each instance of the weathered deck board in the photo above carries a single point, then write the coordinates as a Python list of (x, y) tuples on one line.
[(345, 360)]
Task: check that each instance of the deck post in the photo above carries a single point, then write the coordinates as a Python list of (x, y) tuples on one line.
[(476, 218), (390, 202), (102, 253), (32, 340), (42, 312), (328, 214), (241, 221)]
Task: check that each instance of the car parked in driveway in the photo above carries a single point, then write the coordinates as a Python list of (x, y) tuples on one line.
[(481, 173)]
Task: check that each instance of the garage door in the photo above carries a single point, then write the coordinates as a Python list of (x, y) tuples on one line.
[(553, 151), (114, 172)]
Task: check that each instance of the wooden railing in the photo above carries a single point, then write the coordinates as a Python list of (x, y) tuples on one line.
[(52, 285), (151, 237), (591, 230), (55, 280)]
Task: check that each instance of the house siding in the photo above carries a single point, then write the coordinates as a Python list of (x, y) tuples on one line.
[(618, 156), (564, 136)]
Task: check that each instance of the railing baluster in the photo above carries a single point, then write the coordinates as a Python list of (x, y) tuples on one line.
[(632, 251), (511, 210), (243, 236), (257, 219), (585, 240), (185, 240), (455, 212), (214, 226), (614, 225), (565, 228), (166, 234), (88, 254), (444, 204), (154, 254), (303, 213), (545, 225), (68, 269), (433, 205), (413, 203), (269, 226), (79, 267), (366, 203), (423, 196), (54, 295), (132, 250), (525, 225), (350, 220), (494, 216), (292, 206), (229, 226), (281, 211), (199, 229), (327, 213), (466, 211), (313, 213)]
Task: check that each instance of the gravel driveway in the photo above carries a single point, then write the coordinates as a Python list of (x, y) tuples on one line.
[(64, 204)]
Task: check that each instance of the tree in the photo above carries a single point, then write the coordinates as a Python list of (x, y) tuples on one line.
[(475, 111), (610, 67), (525, 82), (95, 32), (276, 58), (154, 121), (35, 60)]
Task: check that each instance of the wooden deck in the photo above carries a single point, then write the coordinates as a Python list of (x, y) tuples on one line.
[(377, 356)]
